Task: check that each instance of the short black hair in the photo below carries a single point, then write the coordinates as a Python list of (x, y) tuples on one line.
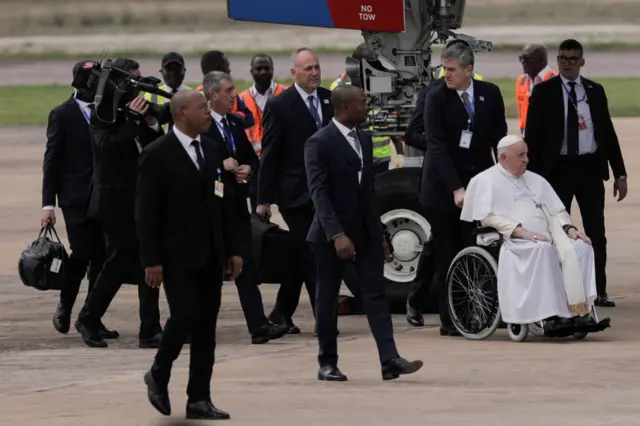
[(79, 65), (571, 44), (261, 56), (126, 64), (212, 61)]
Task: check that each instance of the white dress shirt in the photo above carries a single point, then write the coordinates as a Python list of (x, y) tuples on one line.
[(352, 142), (316, 100), (261, 99), (587, 142), (538, 78), (185, 141)]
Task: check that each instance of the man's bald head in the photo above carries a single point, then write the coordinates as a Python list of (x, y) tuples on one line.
[(343, 94), (534, 58), (349, 105), (305, 69), (190, 112)]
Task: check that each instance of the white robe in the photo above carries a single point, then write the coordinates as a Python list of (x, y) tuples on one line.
[(536, 280)]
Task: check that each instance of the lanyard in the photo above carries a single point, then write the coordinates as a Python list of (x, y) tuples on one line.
[(574, 102), (227, 136), (86, 116), (469, 109)]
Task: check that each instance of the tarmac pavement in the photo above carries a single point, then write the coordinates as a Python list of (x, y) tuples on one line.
[(50, 379)]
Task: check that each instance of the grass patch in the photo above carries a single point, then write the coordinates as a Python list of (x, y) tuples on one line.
[(30, 105)]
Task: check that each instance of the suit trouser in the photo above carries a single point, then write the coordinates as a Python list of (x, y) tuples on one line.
[(449, 237), (87, 254), (298, 219), (369, 264), (580, 177), (122, 265), (247, 284), (194, 303)]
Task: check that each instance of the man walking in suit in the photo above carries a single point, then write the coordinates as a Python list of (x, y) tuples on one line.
[(188, 233), (464, 121), (346, 228), (572, 143), (67, 176), (239, 162), (289, 120), (115, 160)]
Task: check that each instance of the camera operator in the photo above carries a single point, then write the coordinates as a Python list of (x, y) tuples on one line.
[(116, 147)]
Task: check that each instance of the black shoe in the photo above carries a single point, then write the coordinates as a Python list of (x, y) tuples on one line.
[(584, 321), (105, 333), (90, 335), (276, 318), (205, 410), (450, 331), (270, 332), (604, 302), (398, 366), (330, 373), (158, 395), (414, 317), (152, 342), (554, 324), (62, 319)]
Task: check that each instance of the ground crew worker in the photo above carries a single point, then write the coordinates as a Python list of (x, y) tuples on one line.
[(535, 64), (214, 60), (381, 144), (173, 70), (255, 98)]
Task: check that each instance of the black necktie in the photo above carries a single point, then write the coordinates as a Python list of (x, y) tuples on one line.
[(313, 110), (227, 136), (200, 158), (573, 138)]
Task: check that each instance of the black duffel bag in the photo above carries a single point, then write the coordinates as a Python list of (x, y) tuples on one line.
[(273, 251), (42, 264)]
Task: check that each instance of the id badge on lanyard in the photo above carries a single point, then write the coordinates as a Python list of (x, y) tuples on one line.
[(467, 135), (227, 136), (218, 185), (582, 124)]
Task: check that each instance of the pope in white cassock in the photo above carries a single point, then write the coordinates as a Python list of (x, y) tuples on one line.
[(546, 267)]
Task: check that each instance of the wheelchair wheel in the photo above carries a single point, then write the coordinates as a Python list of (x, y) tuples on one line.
[(473, 293), (518, 332)]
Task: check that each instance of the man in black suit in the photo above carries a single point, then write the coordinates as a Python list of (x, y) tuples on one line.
[(186, 222), (239, 162), (67, 175), (464, 121), (572, 143), (346, 228), (115, 157), (289, 120)]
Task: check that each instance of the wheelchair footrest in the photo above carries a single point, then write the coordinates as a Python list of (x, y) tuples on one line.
[(595, 327)]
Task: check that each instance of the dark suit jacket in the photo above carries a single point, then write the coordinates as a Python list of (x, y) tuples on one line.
[(245, 154), (546, 121), (448, 167), (287, 125), (342, 204), (68, 159), (414, 136), (115, 164), (179, 219)]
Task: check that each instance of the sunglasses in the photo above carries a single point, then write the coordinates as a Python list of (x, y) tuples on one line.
[(563, 59)]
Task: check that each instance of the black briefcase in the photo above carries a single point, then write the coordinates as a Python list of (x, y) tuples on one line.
[(42, 264), (273, 251)]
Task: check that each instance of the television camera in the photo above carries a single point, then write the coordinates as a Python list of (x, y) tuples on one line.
[(112, 89)]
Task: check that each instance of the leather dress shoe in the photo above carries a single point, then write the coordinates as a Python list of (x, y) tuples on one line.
[(90, 335), (414, 317), (105, 333), (277, 318), (604, 302), (584, 321), (395, 367), (205, 410), (329, 373), (158, 395), (555, 323), (450, 331), (62, 319), (152, 342), (269, 332)]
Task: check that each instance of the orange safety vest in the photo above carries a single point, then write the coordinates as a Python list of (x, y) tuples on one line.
[(522, 95), (235, 105), (255, 132)]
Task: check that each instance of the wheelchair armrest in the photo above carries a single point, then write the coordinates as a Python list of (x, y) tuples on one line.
[(484, 230), (487, 236)]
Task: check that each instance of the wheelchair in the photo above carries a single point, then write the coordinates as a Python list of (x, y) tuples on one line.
[(472, 288)]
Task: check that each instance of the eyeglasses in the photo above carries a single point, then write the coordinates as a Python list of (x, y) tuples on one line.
[(562, 59)]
